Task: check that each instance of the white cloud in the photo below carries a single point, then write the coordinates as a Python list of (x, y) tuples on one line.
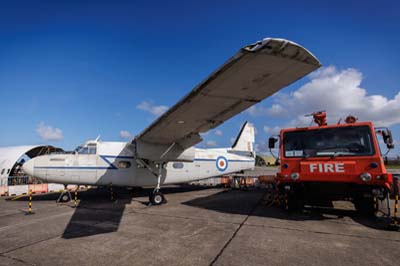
[(156, 110), (340, 94), (272, 131), (256, 110), (218, 132), (261, 147), (47, 132), (125, 134), (255, 131), (211, 143)]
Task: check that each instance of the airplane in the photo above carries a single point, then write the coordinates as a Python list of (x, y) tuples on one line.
[(164, 152)]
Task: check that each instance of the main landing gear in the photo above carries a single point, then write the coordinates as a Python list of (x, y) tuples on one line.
[(156, 197)]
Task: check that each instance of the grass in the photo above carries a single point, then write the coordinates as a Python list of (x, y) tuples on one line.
[(393, 166)]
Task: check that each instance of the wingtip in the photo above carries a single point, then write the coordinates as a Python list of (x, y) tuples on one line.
[(255, 47)]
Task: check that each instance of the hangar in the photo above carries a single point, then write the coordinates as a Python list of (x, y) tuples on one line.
[(12, 158)]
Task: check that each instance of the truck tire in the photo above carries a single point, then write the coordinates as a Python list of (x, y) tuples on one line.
[(294, 204), (365, 206)]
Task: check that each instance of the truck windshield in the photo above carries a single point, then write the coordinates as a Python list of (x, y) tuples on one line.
[(341, 141)]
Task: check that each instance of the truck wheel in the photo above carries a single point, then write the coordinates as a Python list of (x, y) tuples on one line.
[(365, 206), (294, 204)]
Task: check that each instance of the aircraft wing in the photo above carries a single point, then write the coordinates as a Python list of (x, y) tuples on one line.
[(255, 72)]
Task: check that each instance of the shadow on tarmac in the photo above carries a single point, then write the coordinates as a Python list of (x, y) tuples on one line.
[(237, 202), (96, 213)]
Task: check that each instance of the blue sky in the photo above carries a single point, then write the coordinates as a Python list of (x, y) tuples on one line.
[(72, 70)]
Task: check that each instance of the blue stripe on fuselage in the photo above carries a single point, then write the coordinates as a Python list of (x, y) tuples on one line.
[(113, 167)]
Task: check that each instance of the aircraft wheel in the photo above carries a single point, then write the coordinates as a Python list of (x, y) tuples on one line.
[(157, 198), (64, 197)]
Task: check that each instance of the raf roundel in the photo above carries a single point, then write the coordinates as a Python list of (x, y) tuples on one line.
[(222, 163)]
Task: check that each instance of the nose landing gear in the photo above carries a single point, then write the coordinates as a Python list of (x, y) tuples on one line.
[(65, 195)]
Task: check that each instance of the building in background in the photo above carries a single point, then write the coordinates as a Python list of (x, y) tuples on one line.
[(12, 159)]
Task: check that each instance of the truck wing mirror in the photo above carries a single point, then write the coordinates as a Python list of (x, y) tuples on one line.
[(388, 139), (271, 142)]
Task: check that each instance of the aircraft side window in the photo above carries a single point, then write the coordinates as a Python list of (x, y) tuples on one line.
[(8, 171), (92, 149), (124, 164), (177, 165), (2, 171)]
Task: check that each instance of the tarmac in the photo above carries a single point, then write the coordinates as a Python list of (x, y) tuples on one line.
[(196, 227)]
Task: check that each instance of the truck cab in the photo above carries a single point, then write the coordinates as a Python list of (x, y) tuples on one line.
[(333, 162)]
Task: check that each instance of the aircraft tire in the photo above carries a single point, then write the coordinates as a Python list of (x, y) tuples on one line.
[(64, 197), (157, 198)]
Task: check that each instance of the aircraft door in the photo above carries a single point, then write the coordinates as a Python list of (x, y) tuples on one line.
[(87, 160)]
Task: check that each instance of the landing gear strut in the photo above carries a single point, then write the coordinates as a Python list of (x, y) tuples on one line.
[(156, 197)]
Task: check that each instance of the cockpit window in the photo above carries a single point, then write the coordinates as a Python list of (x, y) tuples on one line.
[(92, 148), (83, 150), (89, 149)]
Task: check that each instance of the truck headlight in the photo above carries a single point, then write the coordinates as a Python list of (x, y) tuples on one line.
[(295, 176), (366, 177)]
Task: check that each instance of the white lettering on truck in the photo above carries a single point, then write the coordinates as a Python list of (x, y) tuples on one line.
[(327, 167)]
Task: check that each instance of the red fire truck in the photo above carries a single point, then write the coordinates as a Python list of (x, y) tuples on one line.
[(341, 161)]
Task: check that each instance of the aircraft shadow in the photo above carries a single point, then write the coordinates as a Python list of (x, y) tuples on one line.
[(96, 213), (250, 203)]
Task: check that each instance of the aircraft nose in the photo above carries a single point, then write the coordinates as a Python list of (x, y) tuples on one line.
[(28, 167)]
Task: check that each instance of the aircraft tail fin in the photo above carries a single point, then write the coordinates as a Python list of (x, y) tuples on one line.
[(245, 140)]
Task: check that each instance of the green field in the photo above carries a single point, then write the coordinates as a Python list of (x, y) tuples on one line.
[(396, 166)]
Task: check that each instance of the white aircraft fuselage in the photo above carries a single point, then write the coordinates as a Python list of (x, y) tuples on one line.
[(164, 152), (104, 163)]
